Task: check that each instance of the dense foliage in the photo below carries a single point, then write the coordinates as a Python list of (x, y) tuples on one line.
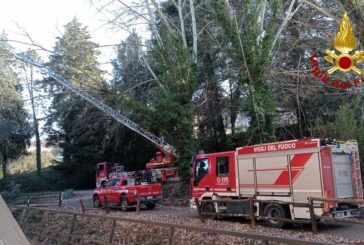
[(212, 75), (15, 130)]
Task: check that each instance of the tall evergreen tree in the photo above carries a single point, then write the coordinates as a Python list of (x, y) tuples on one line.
[(75, 125), (130, 75), (175, 71), (213, 71), (15, 130)]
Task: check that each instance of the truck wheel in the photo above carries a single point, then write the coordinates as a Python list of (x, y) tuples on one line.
[(124, 203), (97, 202), (275, 211), (150, 205), (208, 207)]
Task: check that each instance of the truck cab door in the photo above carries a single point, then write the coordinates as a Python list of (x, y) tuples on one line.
[(113, 193), (103, 190), (107, 190), (224, 174), (201, 174)]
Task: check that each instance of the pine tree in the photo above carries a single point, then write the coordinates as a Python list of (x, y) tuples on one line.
[(75, 125), (130, 76), (15, 130), (175, 72)]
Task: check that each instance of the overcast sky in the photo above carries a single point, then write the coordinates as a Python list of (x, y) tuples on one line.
[(44, 21)]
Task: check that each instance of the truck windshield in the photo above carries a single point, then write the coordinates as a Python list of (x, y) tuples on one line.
[(130, 181), (99, 169), (110, 183), (201, 169)]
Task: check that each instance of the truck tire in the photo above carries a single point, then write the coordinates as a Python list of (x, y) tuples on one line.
[(208, 207), (124, 203), (97, 202), (276, 211), (150, 205)]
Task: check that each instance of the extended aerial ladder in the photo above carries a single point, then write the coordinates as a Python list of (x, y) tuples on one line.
[(167, 149)]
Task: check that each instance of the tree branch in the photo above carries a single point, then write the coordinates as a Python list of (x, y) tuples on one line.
[(194, 32), (284, 23)]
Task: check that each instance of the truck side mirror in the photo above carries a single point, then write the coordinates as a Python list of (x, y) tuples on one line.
[(125, 182), (103, 183)]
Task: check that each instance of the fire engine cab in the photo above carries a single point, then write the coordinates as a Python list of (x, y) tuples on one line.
[(123, 191), (107, 170), (289, 171)]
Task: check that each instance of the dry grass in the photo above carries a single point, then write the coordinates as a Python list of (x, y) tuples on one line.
[(27, 162)]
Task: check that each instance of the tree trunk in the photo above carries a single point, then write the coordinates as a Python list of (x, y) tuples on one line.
[(295, 64), (194, 32), (216, 122), (37, 138), (152, 22), (3, 165), (38, 146), (182, 23), (35, 123), (234, 106)]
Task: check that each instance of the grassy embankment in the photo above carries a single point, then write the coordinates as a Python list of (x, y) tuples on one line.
[(23, 176)]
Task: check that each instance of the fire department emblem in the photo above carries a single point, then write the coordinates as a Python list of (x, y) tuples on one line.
[(345, 43)]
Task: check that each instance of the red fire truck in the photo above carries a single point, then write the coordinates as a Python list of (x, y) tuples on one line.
[(166, 155), (289, 171), (159, 169), (123, 191), (107, 170), (161, 165)]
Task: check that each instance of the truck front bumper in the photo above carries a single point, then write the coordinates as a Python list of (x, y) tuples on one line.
[(192, 203), (150, 199), (344, 213)]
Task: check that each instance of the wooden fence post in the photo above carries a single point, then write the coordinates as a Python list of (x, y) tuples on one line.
[(111, 237), (82, 206), (72, 227), (199, 210), (252, 210), (312, 216), (23, 216), (171, 238), (60, 200), (265, 242), (106, 205), (138, 203), (43, 230)]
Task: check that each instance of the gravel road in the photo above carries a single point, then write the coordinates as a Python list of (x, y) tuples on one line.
[(347, 231), (85, 195)]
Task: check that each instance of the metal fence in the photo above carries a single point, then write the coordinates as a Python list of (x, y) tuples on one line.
[(48, 226), (38, 199)]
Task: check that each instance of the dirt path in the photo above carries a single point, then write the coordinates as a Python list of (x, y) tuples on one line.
[(351, 231), (346, 230), (85, 195)]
